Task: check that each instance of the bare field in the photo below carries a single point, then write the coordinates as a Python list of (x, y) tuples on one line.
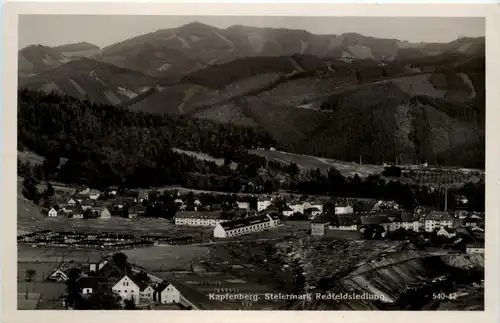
[(43, 269), (202, 156), (31, 256), (311, 162), (167, 258)]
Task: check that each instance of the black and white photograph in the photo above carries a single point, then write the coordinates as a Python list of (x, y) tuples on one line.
[(277, 163)]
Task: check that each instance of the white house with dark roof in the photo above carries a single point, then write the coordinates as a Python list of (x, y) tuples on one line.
[(296, 207), (166, 293), (93, 194), (146, 292), (243, 205), (245, 226), (343, 208), (52, 213), (127, 289), (263, 203), (287, 211)]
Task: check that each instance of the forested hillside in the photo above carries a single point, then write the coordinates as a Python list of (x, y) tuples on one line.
[(106, 145)]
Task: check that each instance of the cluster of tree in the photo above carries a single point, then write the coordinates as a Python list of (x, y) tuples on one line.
[(105, 145), (374, 187)]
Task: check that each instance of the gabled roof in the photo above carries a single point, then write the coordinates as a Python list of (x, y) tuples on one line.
[(321, 220), (438, 216), (234, 224), (199, 215), (161, 287), (87, 202), (75, 209), (375, 219)]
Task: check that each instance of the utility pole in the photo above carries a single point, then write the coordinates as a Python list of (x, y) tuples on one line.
[(360, 159)]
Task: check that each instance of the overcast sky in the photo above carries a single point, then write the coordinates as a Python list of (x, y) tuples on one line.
[(103, 30)]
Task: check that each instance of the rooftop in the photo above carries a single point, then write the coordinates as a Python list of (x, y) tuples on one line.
[(199, 215), (230, 225)]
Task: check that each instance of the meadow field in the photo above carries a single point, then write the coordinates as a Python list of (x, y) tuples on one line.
[(311, 162)]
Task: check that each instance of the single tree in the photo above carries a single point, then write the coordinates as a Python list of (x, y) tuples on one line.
[(30, 274)]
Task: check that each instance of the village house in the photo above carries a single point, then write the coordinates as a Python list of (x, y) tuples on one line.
[(313, 212), (52, 213), (142, 196), (385, 205), (58, 275), (437, 219), (287, 211), (313, 204), (296, 207), (347, 223), (471, 222), (146, 291), (243, 205), (95, 267), (166, 293), (93, 194), (75, 212), (410, 221), (263, 203), (477, 248), (447, 232), (319, 225), (245, 226), (204, 219), (103, 212), (342, 208), (127, 289), (461, 214), (136, 210), (80, 197), (71, 202), (90, 284), (87, 204)]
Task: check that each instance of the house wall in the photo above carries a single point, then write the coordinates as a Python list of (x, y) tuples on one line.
[(430, 225), (87, 291), (127, 289), (147, 293), (219, 232), (475, 250), (170, 295), (198, 222), (297, 208), (52, 213), (105, 214), (244, 205), (262, 205), (344, 209), (353, 227), (317, 229)]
